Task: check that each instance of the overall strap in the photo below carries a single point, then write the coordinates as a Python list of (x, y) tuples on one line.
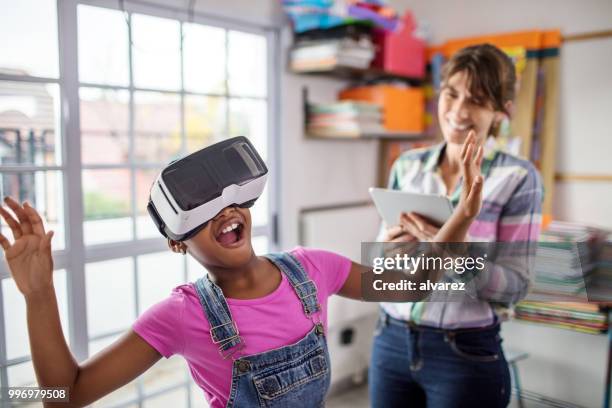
[(223, 330), (303, 286)]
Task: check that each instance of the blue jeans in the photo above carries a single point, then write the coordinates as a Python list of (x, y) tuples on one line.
[(418, 366)]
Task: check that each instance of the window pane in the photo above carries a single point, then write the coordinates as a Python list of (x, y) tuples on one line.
[(204, 58), (197, 397), (176, 398), (247, 62), (249, 117), (110, 296), (29, 117), (103, 59), (21, 375), (104, 126), (156, 52), (158, 274), (28, 38), (44, 191), (259, 212), (195, 270), (204, 121), (17, 341), (165, 373), (260, 245), (125, 393), (145, 228), (107, 206), (157, 132)]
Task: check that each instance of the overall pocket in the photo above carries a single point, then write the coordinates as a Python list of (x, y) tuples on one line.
[(477, 347), (302, 382)]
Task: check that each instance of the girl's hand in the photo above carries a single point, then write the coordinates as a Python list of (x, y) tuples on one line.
[(418, 227), (29, 257), (470, 201)]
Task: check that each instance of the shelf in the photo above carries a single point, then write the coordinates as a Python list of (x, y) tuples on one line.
[(385, 135), (394, 136), (360, 74)]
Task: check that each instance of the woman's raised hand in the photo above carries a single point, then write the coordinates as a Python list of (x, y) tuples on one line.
[(29, 256), (470, 201)]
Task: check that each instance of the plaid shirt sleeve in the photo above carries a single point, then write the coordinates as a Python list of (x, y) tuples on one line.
[(509, 278)]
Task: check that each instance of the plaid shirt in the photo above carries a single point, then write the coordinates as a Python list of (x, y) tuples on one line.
[(511, 212)]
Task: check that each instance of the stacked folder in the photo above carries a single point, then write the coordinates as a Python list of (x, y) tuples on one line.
[(324, 55), (599, 288), (583, 317), (344, 119), (569, 279), (565, 258)]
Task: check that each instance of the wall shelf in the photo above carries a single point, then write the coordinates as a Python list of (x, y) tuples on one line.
[(359, 74), (388, 136)]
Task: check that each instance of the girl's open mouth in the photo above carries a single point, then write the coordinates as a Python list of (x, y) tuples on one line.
[(231, 233)]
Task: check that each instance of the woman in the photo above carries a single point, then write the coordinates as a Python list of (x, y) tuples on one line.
[(448, 354)]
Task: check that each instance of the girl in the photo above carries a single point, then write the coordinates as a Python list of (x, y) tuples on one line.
[(448, 354), (252, 330)]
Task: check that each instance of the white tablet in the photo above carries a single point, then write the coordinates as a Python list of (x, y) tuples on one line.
[(391, 203)]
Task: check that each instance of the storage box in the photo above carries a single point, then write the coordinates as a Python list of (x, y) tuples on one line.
[(400, 52), (403, 107)]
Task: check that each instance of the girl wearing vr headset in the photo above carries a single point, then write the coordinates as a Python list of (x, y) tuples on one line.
[(252, 330)]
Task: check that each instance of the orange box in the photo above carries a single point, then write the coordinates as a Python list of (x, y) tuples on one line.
[(403, 107)]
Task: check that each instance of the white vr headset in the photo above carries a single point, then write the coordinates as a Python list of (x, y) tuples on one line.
[(191, 191)]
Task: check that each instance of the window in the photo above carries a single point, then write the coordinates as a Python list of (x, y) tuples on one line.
[(150, 88)]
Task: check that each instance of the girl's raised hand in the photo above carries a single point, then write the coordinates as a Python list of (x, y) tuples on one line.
[(470, 201), (29, 256)]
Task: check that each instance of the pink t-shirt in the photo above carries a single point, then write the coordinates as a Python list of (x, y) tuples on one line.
[(177, 324)]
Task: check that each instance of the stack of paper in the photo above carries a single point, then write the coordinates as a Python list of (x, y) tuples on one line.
[(324, 55), (583, 317), (344, 119), (605, 252), (565, 268), (565, 257), (599, 288)]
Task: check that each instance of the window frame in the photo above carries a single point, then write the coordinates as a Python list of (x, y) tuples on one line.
[(76, 254)]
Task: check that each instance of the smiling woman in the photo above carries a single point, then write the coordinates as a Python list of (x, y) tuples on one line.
[(477, 90), (484, 79)]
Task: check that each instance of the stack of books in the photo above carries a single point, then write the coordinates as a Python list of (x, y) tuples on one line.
[(583, 317), (599, 287), (324, 55), (344, 119), (565, 258), (566, 268), (605, 252)]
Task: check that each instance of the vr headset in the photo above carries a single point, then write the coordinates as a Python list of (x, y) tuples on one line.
[(191, 191)]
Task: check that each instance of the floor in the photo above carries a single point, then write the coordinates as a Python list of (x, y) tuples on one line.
[(358, 398)]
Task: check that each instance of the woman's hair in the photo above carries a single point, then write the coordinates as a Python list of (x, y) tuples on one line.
[(490, 72)]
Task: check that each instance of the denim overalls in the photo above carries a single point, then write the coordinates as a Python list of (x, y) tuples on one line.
[(297, 375)]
